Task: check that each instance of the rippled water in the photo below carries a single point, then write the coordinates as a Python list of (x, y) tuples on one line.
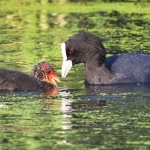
[(79, 117), (106, 118)]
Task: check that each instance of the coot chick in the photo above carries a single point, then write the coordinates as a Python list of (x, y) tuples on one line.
[(43, 79), (120, 68)]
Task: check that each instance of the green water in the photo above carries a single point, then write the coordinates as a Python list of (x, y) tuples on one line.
[(79, 117)]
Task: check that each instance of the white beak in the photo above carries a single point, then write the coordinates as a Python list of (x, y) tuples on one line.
[(67, 64)]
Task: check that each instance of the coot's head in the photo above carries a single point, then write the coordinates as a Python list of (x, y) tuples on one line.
[(81, 48), (43, 71)]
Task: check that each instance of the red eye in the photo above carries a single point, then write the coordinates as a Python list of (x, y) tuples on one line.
[(71, 52)]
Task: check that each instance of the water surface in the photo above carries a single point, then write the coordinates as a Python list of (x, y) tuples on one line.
[(79, 117)]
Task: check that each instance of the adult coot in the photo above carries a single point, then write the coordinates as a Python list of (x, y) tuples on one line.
[(120, 68), (43, 79)]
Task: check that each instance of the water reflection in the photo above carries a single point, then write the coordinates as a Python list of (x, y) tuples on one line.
[(39, 31), (96, 115), (118, 89), (105, 112)]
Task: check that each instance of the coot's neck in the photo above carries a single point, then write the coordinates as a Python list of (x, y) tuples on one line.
[(97, 71)]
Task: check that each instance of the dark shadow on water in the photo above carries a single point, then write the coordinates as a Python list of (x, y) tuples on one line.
[(105, 112), (120, 88)]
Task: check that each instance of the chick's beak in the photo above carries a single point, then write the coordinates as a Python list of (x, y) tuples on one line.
[(51, 77)]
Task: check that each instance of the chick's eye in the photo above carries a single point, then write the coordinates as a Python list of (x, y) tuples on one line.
[(71, 52), (48, 70)]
